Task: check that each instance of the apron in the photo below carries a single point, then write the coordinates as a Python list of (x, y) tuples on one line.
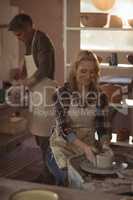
[(81, 120), (41, 117), (29, 60)]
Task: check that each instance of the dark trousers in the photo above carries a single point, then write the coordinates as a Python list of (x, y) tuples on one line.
[(43, 142), (59, 174)]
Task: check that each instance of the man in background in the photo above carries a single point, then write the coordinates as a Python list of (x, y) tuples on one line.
[(38, 70)]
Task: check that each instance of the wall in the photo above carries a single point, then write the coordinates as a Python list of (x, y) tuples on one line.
[(8, 43), (48, 17), (6, 11), (73, 37)]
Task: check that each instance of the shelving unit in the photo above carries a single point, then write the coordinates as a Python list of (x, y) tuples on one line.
[(114, 38), (97, 29), (72, 45)]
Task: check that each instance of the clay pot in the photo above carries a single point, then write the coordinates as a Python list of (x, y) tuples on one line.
[(105, 159), (122, 134), (103, 4), (130, 58), (130, 22), (113, 92), (93, 19), (115, 22)]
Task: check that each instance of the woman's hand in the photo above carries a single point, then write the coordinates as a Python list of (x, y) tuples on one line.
[(89, 154), (87, 150)]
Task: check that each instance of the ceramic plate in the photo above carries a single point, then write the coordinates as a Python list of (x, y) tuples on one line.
[(88, 167), (34, 194)]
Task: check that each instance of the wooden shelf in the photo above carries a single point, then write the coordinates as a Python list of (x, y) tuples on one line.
[(97, 28), (77, 37)]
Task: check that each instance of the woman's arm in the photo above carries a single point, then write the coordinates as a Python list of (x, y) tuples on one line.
[(62, 100), (86, 149)]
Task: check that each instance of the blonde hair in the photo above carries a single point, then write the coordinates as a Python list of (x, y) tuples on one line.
[(83, 55)]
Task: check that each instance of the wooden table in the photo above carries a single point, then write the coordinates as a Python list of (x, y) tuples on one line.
[(8, 187)]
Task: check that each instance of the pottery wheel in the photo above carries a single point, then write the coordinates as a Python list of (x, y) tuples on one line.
[(88, 167)]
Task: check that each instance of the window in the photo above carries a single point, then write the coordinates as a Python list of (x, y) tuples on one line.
[(106, 39)]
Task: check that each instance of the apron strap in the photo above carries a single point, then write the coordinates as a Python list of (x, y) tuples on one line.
[(33, 41)]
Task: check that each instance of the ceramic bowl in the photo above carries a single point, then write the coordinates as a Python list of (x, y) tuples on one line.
[(115, 22), (123, 134), (103, 4), (130, 22), (93, 19), (130, 58), (34, 194)]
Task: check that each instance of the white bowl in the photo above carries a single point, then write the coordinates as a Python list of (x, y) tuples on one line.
[(34, 194)]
